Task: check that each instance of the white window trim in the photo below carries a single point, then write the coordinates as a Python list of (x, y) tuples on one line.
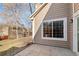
[(65, 30)]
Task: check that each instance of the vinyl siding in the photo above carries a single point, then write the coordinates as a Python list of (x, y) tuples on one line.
[(57, 10), (39, 17), (37, 5), (76, 7)]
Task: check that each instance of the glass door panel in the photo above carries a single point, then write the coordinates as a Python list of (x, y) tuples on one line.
[(78, 32)]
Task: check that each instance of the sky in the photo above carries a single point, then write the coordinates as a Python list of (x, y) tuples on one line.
[(1, 10), (25, 13)]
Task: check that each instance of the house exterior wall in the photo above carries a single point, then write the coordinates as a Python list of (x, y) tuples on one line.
[(12, 33), (76, 7), (39, 17), (37, 5), (5, 31), (57, 10), (20, 32)]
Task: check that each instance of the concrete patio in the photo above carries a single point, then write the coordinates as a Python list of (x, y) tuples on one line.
[(42, 50)]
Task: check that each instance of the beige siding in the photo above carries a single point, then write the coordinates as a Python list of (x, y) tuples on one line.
[(12, 33), (57, 11), (37, 5), (38, 19), (76, 7), (70, 26)]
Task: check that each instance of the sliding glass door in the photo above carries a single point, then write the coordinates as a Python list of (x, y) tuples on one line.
[(78, 33)]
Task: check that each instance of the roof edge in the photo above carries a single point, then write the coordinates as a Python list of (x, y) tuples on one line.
[(37, 11)]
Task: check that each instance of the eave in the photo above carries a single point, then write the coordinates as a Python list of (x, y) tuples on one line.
[(37, 11)]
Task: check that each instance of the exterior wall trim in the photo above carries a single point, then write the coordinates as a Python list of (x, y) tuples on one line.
[(34, 20), (65, 30), (38, 10), (76, 13), (33, 30), (75, 48)]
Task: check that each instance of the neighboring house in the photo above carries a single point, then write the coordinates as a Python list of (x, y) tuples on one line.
[(3, 32), (53, 24), (11, 32)]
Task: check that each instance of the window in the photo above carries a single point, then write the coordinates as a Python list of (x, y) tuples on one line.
[(47, 29), (58, 29), (55, 29)]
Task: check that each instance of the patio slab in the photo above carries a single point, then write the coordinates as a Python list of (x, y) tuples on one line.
[(42, 50)]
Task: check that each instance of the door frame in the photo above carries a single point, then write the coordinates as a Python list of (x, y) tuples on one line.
[(75, 41)]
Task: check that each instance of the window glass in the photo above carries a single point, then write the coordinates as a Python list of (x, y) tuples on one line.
[(47, 29), (58, 29), (53, 29)]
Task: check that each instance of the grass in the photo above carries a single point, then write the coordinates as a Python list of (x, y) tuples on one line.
[(12, 51), (0, 44)]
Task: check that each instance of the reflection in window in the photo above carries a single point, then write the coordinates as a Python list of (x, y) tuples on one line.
[(53, 29), (58, 29), (47, 29)]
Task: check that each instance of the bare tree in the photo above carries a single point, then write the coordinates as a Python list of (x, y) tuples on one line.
[(30, 7), (13, 13)]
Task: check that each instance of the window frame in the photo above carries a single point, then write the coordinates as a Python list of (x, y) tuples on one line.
[(64, 31)]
